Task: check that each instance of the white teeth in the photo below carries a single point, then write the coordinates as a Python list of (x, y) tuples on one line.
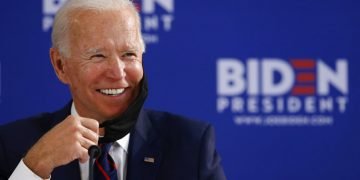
[(112, 92)]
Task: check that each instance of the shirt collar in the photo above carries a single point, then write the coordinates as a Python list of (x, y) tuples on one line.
[(123, 142)]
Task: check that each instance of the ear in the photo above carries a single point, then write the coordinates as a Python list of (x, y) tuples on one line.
[(58, 63)]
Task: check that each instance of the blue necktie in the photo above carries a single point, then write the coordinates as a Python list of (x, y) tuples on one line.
[(104, 167)]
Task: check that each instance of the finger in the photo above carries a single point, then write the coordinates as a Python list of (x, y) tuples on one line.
[(90, 135), (84, 156), (86, 143), (91, 124)]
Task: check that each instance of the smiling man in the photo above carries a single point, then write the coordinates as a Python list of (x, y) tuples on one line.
[(103, 67), (97, 51)]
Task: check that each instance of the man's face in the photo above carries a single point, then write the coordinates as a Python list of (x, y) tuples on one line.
[(105, 64)]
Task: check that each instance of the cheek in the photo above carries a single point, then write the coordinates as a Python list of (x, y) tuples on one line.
[(82, 75), (75, 80), (135, 72)]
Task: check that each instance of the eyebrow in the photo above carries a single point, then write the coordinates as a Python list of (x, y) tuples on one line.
[(131, 47), (93, 51)]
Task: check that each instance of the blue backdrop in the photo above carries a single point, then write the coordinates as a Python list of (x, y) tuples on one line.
[(278, 79)]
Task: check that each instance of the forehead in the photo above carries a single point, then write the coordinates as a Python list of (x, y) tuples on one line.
[(120, 17), (98, 26)]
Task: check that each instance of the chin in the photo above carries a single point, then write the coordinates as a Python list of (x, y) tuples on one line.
[(113, 114)]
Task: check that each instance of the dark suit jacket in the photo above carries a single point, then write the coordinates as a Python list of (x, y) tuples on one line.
[(182, 149)]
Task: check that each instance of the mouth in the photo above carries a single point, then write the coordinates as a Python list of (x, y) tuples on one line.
[(111, 92)]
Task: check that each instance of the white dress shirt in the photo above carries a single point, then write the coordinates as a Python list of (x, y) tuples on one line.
[(118, 152)]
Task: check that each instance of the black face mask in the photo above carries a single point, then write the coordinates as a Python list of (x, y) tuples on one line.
[(118, 127)]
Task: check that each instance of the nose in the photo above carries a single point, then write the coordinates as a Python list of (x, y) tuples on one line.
[(116, 68)]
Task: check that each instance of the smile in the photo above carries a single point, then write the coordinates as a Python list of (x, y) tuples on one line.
[(111, 92)]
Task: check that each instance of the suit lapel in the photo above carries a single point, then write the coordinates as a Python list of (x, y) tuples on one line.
[(144, 156)]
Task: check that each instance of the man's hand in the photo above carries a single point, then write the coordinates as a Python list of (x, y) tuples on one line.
[(67, 141)]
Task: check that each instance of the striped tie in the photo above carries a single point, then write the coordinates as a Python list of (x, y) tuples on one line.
[(105, 168)]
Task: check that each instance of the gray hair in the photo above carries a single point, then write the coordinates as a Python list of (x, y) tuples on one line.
[(60, 37)]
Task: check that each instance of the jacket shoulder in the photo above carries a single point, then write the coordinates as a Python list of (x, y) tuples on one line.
[(17, 137), (37, 123), (166, 122)]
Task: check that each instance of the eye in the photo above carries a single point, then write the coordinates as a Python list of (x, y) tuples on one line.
[(97, 56), (130, 56)]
